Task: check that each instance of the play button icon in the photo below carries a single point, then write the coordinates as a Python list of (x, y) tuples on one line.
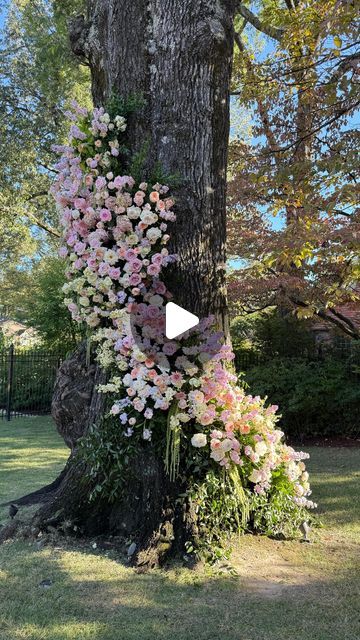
[(178, 320)]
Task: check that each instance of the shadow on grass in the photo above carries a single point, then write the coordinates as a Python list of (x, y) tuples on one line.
[(94, 597), (335, 475)]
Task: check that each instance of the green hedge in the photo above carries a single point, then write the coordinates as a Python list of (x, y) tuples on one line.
[(315, 398)]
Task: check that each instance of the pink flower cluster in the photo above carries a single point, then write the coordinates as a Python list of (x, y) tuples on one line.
[(115, 236)]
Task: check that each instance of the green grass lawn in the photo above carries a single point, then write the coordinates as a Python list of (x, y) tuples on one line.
[(31, 455), (283, 590)]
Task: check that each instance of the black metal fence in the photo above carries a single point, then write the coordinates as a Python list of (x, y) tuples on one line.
[(244, 360), (26, 382)]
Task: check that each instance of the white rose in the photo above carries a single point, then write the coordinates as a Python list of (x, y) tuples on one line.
[(255, 476), (93, 320), (199, 440), (132, 239), (261, 448), (217, 455), (153, 234), (133, 212), (226, 444)]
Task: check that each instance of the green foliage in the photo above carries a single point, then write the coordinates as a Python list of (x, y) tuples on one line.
[(276, 515), (224, 508), (39, 77), (316, 397), (138, 162), (44, 309), (285, 336), (243, 329), (118, 105), (107, 455), (218, 508), (172, 180)]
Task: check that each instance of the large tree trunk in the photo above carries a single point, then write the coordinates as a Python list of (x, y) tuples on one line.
[(178, 54)]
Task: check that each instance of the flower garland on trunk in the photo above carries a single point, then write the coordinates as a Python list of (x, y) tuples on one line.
[(115, 237)]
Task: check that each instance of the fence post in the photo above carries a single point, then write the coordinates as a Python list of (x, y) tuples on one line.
[(10, 382)]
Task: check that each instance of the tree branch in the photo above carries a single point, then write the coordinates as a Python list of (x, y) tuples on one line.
[(249, 16), (344, 319), (42, 225), (261, 106), (337, 319), (322, 125), (348, 63)]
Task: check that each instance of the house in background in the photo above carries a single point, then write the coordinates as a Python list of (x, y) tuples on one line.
[(18, 334), (325, 332)]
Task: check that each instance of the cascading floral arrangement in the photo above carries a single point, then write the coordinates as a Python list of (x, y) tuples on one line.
[(115, 237)]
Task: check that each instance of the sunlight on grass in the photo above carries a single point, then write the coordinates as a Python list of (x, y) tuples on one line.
[(31, 455), (284, 590)]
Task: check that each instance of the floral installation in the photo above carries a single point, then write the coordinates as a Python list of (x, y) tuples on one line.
[(115, 237)]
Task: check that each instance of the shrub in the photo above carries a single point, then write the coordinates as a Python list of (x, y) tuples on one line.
[(316, 398), (284, 336)]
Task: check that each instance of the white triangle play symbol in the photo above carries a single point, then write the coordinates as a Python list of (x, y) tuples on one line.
[(178, 320)]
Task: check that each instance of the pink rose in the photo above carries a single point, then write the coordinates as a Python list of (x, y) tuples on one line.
[(159, 287), (154, 196), (103, 269), (135, 265), (153, 270), (114, 273), (139, 198), (135, 279), (79, 248), (157, 259), (160, 205), (105, 215)]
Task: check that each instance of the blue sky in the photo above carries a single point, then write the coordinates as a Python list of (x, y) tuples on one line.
[(2, 13)]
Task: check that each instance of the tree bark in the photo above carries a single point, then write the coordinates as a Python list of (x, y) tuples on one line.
[(177, 54), (179, 58)]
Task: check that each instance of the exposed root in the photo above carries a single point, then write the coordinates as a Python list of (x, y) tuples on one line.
[(8, 531), (40, 495)]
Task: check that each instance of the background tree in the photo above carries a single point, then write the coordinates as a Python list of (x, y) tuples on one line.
[(301, 162), (43, 306), (39, 76)]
